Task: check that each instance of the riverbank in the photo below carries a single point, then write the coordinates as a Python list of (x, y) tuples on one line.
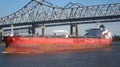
[(116, 38)]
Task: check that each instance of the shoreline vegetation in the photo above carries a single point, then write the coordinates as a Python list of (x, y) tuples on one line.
[(116, 38)]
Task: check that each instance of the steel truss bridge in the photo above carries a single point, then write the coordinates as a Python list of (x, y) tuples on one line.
[(47, 14)]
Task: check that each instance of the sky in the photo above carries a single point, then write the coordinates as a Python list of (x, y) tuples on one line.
[(8, 7)]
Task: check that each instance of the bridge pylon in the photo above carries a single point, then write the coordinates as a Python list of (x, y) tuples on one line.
[(34, 26), (74, 29)]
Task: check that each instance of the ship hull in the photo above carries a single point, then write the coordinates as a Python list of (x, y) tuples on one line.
[(16, 44)]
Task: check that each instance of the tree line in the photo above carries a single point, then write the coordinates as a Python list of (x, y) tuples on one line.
[(116, 38)]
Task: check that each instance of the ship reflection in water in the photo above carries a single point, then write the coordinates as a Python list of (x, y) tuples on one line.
[(106, 57)]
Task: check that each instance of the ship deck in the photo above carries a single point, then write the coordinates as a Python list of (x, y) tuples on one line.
[(61, 36)]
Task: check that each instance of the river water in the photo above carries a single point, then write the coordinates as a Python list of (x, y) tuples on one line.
[(106, 57)]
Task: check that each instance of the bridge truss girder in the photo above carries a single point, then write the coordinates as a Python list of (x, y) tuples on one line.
[(44, 11)]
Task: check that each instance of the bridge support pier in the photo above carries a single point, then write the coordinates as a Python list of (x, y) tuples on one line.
[(74, 29), (43, 29), (33, 29), (42, 26)]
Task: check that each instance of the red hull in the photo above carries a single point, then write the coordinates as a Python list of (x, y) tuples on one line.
[(52, 44)]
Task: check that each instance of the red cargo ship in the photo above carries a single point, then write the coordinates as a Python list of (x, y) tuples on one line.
[(95, 38)]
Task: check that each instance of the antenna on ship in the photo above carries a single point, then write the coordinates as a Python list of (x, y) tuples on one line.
[(12, 32)]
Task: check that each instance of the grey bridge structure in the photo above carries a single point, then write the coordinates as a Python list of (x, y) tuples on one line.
[(40, 13)]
